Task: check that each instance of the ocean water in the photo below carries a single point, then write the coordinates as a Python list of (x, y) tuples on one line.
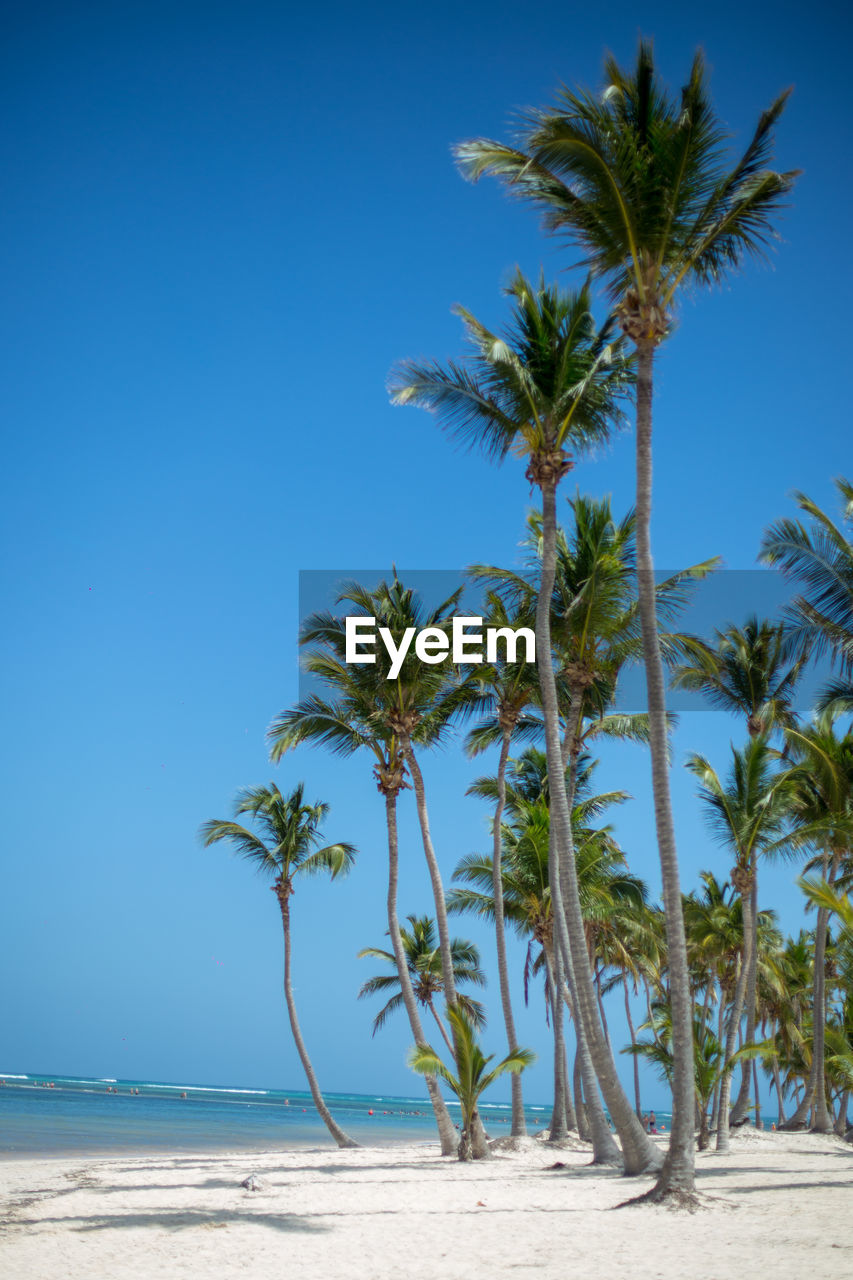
[(68, 1115)]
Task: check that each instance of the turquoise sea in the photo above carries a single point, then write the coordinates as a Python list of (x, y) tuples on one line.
[(48, 1114)]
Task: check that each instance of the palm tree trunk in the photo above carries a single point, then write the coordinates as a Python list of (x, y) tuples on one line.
[(840, 1126), (434, 873), (571, 1118), (721, 1022), (821, 1119), (757, 1098), (343, 1140), (446, 1127), (558, 1127), (478, 1139), (519, 1126), (677, 1174), (635, 1056), (735, 1014), (639, 1153), (442, 1028), (815, 1088), (741, 1105), (580, 1106), (602, 1014), (777, 1084), (604, 1149)]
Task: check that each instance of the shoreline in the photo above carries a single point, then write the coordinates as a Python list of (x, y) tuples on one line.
[(779, 1202)]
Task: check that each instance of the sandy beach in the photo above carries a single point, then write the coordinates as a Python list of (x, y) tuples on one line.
[(778, 1205)]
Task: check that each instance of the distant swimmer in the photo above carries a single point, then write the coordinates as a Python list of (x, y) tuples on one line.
[(183, 1095)]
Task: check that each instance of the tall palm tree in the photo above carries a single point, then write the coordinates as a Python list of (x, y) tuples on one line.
[(286, 849), (823, 801), (820, 558), (416, 706), (471, 1078), (750, 813), (748, 671), (348, 719), (502, 693), (427, 976), (636, 178), (552, 382)]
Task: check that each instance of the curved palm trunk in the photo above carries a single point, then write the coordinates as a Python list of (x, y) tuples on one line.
[(519, 1126), (442, 1028), (741, 1106), (721, 1023), (635, 1056), (343, 1140), (558, 1126), (446, 1127), (639, 1153), (677, 1174), (777, 1085), (478, 1139), (434, 873), (594, 1127), (735, 1014), (580, 1106)]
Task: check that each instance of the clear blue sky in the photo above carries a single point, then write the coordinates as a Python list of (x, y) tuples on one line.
[(222, 224)]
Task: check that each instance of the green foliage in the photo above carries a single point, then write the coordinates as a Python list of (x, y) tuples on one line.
[(638, 178), (472, 1076), (550, 380), (423, 960), (289, 834)]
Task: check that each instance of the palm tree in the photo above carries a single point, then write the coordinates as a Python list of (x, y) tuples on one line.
[(285, 849), (707, 1057), (750, 813), (424, 965), (821, 559), (471, 1078), (823, 802), (346, 721), (527, 877), (747, 671), (416, 706), (551, 383), (636, 178), (502, 693)]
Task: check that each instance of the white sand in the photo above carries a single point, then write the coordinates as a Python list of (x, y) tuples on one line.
[(779, 1205)]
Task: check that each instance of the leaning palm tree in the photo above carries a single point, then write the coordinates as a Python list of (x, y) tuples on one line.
[(820, 558), (286, 849), (636, 178), (423, 961), (346, 720), (551, 383), (471, 1078)]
